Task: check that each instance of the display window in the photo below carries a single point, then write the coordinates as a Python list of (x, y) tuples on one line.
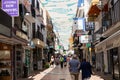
[(5, 63)]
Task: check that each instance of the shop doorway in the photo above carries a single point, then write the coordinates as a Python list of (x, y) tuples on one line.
[(100, 61), (115, 63)]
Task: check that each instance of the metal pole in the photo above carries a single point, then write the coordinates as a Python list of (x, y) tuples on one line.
[(92, 47)]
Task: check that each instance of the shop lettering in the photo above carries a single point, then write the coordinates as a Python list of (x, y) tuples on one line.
[(21, 35)]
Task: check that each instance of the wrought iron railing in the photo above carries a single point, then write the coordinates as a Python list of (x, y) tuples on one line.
[(38, 35), (111, 17)]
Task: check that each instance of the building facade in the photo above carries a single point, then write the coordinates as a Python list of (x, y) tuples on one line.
[(106, 18), (22, 40)]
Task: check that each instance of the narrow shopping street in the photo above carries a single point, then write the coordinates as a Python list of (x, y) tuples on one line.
[(58, 73), (35, 34)]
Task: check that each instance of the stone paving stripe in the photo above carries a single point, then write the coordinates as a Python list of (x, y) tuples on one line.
[(55, 73), (62, 79)]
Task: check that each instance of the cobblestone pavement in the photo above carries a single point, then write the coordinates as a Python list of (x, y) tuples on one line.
[(56, 73)]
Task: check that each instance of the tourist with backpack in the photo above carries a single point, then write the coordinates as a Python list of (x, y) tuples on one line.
[(61, 61)]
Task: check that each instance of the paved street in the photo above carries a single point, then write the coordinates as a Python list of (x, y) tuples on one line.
[(56, 73)]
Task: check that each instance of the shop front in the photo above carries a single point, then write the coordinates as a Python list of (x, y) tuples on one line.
[(38, 54), (100, 61), (5, 61), (6, 68), (112, 47), (114, 63), (111, 52)]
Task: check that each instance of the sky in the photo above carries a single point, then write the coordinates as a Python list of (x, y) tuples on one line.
[(62, 13)]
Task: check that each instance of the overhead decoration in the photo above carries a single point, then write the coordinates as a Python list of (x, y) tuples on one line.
[(62, 13)]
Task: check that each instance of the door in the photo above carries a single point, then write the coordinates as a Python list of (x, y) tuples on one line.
[(115, 62)]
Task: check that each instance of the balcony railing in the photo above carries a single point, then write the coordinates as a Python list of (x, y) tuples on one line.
[(111, 17), (17, 28), (115, 12), (106, 20), (38, 35)]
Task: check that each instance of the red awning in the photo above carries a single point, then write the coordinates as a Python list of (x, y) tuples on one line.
[(93, 11)]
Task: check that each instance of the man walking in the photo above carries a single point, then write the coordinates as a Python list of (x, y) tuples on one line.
[(86, 70), (74, 65)]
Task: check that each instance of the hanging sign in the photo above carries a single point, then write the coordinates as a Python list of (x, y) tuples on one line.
[(11, 7)]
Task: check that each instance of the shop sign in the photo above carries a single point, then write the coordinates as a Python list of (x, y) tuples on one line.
[(21, 35), (84, 38), (80, 23), (89, 26), (11, 7), (88, 45)]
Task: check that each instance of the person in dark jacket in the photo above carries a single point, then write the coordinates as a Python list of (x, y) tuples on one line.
[(86, 69)]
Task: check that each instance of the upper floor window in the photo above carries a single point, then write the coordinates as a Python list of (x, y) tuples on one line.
[(115, 1), (38, 5), (33, 3), (41, 12), (25, 27)]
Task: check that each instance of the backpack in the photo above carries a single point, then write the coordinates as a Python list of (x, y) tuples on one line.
[(61, 59)]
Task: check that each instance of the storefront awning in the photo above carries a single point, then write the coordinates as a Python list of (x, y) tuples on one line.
[(94, 11)]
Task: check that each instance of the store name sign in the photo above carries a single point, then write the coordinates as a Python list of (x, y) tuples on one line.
[(21, 35), (11, 7)]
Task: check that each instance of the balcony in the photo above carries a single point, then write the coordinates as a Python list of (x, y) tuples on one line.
[(38, 35), (106, 21), (113, 19), (115, 12)]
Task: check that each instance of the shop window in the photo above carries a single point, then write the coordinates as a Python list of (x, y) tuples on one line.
[(5, 65)]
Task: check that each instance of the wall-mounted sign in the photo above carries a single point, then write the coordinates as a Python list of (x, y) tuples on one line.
[(89, 26), (80, 23), (84, 39), (11, 7)]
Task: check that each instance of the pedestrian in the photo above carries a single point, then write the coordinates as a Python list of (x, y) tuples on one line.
[(86, 70), (61, 61), (65, 61), (52, 61), (57, 61), (74, 66)]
